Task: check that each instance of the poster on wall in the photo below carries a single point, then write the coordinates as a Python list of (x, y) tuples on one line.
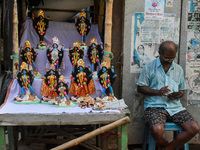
[(146, 37), (154, 9), (169, 3), (193, 53)]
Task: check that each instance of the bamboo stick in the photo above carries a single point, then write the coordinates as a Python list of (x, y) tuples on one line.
[(15, 50), (108, 29), (92, 134), (85, 144)]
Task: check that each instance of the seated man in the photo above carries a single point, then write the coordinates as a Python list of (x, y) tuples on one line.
[(162, 81)]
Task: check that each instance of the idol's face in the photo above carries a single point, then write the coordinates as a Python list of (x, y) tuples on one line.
[(104, 69)]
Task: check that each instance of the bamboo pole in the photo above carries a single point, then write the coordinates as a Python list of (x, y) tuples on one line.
[(93, 133), (15, 50), (108, 29)]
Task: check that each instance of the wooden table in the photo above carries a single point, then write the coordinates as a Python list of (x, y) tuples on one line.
[(11, 120)]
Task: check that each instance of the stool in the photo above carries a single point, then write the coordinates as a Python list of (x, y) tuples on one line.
[(169, 126)]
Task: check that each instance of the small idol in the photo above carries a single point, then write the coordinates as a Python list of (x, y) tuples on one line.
[(55, 54), (83, 26), (82, 84), (62, 91), (49, 84), (40, 25), (25, 79), (76, 53), (106, 77), (95, 54), (29, 56)]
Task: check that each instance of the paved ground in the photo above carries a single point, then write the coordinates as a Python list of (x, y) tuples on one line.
[(131, 147), (191, 147)]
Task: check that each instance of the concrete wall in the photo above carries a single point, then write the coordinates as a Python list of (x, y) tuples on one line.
[(133, 99)]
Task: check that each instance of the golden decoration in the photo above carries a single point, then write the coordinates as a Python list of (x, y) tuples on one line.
[(80, 62), (76, 44), (40, 13), (24, 66), (104, 64), (27, 44), (83, 14), (94, 41)]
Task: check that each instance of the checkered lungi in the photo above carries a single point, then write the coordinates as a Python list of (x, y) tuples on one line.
[(158, 115)]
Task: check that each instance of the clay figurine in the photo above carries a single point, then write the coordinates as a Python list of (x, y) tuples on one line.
[(25, 79), (55, 54), (62, 91), (95, 54), (82, 83), (83, 26), (29, 56), (76, 53), (40, 25), (106, 77), (49, 84)]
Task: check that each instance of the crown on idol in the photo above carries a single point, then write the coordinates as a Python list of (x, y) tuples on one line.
[(76, 44), (80, 62), (61, 79), (94, 41), (27, 44), (55, 40), (24, 66), (40, 13), (104, 64), (83, 14), (52, 67)]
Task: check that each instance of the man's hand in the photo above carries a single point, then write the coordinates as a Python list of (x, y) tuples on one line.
[(175, 95), (163, 91), (153, 92)]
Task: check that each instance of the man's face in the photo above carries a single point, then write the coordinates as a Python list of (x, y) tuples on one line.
[(141, 50), (167, 57)]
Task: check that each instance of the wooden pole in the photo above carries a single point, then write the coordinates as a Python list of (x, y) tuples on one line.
[(23, 10), (108, 29), (15, 50), (93, 133), (101, 18)]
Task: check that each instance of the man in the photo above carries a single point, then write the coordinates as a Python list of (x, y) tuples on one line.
[(140, 58), (162, 81)]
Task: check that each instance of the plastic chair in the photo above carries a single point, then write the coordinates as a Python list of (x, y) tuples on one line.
[(169, 126)]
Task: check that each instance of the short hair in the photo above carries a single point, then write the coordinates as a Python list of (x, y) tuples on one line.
[(140, 46), (162, 46)]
